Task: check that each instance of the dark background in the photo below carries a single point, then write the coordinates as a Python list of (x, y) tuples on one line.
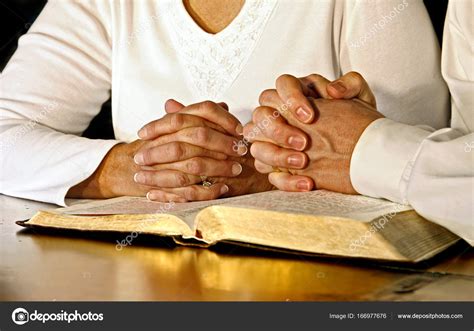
[(16, 16)]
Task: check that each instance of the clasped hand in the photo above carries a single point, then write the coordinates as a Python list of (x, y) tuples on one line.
[(303, 135), (191, 144), (305, 131)]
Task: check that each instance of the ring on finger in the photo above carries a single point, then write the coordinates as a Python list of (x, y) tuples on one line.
[(206, 181)]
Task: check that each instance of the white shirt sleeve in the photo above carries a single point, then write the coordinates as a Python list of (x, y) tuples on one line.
[(432, 171), (383, 40), (50, 90)]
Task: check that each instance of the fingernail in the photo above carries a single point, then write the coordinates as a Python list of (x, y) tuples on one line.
[(239, 129), (303, 185), (297, 142), (150, 196), (139, 178), (303, 114), (224, 189), (142, 133), (295, 160), (236, 169), (339, 87), (139, 159)]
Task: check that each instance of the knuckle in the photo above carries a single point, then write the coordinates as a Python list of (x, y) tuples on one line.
[(177, 150), (230, 122), (258, 112), (191, 193), (147, 156), (214, 192), (294, 99), (151, 127), (355, 75), (278, 132), (207, 105), (148, 178), (176, 121), (283, 77), (201, 135), (266, 96), (159, 196), (181, 179), (314, 77), (194, 166), (276, 159)]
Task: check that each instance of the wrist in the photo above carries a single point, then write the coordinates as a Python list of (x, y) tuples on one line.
[(114, 175), (382, 156)]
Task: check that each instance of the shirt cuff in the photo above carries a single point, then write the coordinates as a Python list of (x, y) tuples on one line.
[(382, 156), (89, 163)]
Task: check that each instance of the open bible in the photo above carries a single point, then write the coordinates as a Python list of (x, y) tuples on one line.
[(317, 222)]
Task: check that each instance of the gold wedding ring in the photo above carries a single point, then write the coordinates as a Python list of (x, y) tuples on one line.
[(205, 181)]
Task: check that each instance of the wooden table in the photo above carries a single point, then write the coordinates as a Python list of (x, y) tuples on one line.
[(49, 267)]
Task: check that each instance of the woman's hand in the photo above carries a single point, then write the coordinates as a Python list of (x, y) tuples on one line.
[(192, 143), (117, 175), (248, 181), (113, 177), (184, 147)]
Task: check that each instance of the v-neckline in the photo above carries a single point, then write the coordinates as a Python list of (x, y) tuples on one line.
[(189, 20), (214, 61)]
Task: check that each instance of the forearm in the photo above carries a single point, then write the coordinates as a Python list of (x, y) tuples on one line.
[(51, 89), (39, 163), (440, 186)]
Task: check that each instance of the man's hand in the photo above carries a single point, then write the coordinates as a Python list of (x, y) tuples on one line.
[(295, 91), (328, 143)]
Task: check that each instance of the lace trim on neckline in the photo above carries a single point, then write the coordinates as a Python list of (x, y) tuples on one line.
[(214, 61)]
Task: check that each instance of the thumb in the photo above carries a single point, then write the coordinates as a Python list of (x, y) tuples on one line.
[(351, 85), (173, 106), (223, 105)]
